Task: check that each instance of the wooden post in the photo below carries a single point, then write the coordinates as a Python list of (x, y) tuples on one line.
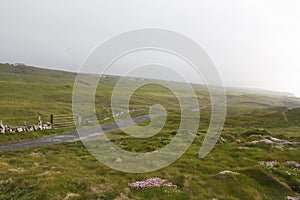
[(51, 120)]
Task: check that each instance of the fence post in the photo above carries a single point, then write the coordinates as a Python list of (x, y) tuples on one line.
[(39, 120), (78, 120), (51, 120)]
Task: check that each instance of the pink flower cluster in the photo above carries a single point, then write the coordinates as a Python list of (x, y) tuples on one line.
[(151, 183), (293, 163), (292, 198)]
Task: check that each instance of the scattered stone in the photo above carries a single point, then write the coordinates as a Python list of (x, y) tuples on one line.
[(269, 163), (20, 129), (228, 172), (48, 173), (30, 128), (280, 147), (278, 142), (222, 139), (71, 196), (118, 160), (243, 148), (35, 154), (18, 170), (283, 142), (267, 141)]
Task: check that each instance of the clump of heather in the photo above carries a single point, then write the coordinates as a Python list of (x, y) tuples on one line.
[(151, 183)]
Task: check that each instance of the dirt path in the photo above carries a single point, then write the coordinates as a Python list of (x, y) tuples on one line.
[(73, 135)]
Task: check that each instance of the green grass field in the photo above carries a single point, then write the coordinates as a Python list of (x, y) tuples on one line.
[(69, 171)]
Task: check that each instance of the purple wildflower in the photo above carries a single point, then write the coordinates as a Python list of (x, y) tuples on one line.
[(151, 183)]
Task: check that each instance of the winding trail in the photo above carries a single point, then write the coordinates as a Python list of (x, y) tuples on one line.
[(73, 136)]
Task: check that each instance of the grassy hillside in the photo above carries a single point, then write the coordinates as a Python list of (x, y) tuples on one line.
[(32, 74), (27, 92), (68, 171)]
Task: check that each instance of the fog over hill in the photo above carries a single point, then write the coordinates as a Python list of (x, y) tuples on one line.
[(253, 44), (20, 68)]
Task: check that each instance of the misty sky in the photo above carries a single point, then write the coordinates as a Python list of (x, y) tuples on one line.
[(254, 43)]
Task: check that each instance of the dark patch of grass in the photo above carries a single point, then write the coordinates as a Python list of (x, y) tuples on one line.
[(161, 193), (256, 132)]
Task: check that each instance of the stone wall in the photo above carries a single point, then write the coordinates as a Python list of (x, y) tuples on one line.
[(6, 129)]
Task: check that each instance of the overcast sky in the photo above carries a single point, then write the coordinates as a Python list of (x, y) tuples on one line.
[(254, 43)]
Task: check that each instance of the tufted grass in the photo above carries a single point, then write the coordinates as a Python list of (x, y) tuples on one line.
[(69, 171)]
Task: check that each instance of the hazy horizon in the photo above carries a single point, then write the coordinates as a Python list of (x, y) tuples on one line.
[(249, 89), (253, 44)]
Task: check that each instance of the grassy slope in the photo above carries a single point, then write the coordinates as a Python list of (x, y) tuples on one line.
[(54, 172), (27, 92)]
